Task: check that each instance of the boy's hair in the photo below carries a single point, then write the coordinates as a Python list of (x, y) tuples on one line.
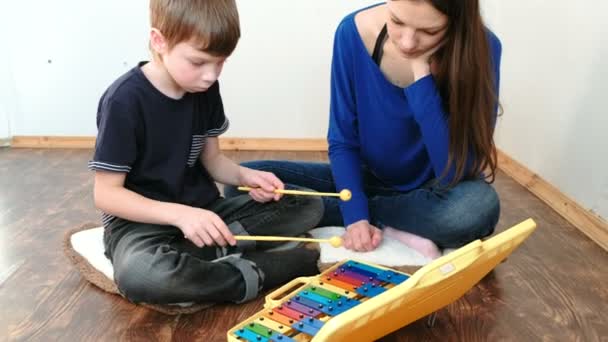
[(212, 24)]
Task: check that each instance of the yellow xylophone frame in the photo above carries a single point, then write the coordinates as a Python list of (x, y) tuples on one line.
[(429, 289)]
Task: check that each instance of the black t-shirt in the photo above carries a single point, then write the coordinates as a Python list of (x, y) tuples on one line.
[(157, 140)]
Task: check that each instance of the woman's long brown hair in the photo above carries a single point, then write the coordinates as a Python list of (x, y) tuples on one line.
[(464, 74)]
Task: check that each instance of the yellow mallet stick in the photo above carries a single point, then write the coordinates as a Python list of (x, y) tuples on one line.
[(344, 195), (335, 241)]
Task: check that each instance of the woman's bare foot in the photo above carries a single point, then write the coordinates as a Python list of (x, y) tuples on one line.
[(424, 246)]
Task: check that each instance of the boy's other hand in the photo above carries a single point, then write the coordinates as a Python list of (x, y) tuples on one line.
[(203, 227), (263, 183)]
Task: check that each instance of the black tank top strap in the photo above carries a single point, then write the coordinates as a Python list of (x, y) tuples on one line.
[(379, 47)]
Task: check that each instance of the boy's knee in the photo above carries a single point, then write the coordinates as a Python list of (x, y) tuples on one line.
[(139, 287), (130, 286), (231, 191), (314, 207), (307, 208)]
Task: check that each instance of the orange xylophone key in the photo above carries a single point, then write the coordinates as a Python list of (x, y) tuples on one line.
[(339, 283)]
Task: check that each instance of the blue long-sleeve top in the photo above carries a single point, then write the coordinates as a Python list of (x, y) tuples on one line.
[(400, 134)]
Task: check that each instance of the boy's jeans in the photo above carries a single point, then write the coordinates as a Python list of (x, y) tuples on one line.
[(157, 265), (449, 217)]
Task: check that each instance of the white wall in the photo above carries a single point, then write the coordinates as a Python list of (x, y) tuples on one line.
[(4, 103), (7, 85), (277, 82), (554, 71), (64, 56), (275, 85)]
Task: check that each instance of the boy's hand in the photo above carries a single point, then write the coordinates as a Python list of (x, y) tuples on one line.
[(203, 227), (263, 183), (361, 236)]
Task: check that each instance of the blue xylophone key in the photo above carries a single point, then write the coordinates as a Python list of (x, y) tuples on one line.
[(326, 301), (370, 290), (313, 322), (363, 267), (382, 275), (355, 268), (392, 277), (250, 336), (305, 328), (330, 310), (281, 338)]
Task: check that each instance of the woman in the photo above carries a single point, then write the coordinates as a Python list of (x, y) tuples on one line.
[(414, 88)]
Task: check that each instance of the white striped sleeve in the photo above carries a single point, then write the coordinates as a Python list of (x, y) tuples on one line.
[(101, 166), (214, 132), (106, 219)]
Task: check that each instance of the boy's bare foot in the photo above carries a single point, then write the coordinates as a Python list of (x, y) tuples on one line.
[(423, 246)]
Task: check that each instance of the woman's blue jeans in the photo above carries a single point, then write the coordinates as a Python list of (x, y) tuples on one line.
[(449, 217)]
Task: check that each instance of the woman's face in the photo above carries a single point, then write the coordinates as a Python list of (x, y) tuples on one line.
[(415, 26)]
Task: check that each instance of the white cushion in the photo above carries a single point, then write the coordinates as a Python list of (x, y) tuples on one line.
[(389, 253), (89, 244)]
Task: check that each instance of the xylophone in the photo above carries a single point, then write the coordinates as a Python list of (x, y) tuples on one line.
[(358, 301)]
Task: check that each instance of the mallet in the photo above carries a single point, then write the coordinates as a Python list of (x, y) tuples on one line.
[(334, 241), (344, 195)]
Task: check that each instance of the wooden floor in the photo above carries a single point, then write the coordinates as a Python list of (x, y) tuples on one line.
[(553, 288)]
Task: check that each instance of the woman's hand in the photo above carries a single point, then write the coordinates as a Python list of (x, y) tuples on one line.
[(421, 65), (361, 236)]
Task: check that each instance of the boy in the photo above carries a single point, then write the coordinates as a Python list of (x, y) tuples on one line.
[(155, 163)]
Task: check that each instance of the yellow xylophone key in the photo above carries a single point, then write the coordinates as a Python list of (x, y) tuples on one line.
[(274, 325), (287, 322)]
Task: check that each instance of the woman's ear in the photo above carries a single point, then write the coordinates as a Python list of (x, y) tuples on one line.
[(158, 43)]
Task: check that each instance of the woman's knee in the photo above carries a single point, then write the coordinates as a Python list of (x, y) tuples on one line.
[(261, 165), (472, 213)]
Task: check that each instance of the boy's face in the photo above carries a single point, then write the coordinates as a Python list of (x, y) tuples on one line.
[(192, 69)]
